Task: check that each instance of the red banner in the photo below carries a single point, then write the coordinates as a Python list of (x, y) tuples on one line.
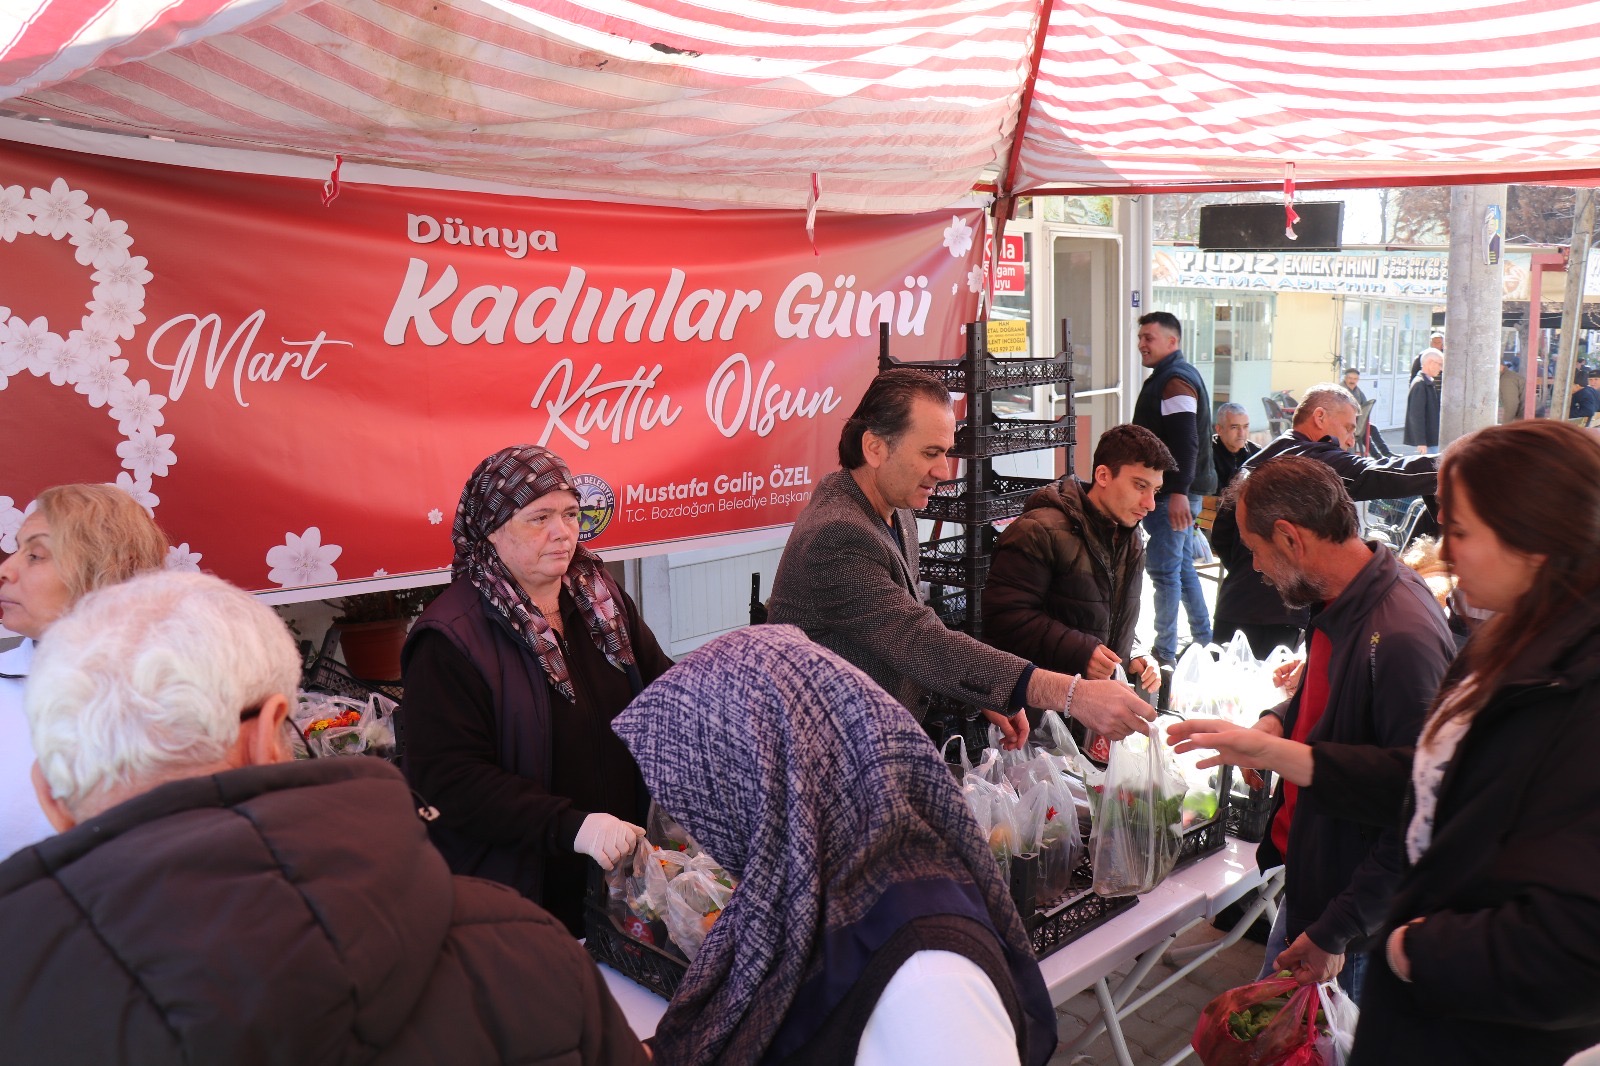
[(297, 392)]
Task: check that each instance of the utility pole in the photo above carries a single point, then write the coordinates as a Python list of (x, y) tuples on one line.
[(1472, 311), (1572, 307)]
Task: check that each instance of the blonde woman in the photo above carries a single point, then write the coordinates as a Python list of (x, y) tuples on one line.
[(78, 538)]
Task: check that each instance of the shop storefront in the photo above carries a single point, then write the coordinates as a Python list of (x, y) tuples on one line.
[(1259, 322)]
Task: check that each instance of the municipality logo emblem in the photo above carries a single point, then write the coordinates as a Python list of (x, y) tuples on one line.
[(596, 504)]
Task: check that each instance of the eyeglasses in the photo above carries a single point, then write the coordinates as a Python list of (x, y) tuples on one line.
[(305, 745)]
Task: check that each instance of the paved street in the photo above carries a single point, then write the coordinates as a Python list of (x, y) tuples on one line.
[(1163, 1026)]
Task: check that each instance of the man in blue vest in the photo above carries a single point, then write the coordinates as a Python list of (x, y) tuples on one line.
[(1175, 406)]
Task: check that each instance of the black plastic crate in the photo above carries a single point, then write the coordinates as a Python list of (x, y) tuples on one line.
[(951, 604), (946, 562), (947, 719), (1000, 497), (326, 675), (1078, 912), (1203, 838), (653, 967), (1005, 436), (1249, 813), (992, 373)]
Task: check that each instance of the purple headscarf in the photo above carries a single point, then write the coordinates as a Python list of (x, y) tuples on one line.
[(502, 485), (822, 794)]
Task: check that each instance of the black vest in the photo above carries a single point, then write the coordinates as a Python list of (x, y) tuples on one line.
[(1147, 413), (839, 1036), (522, 715)]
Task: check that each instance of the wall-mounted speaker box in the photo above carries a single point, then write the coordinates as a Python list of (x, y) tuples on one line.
[(1259, 227)]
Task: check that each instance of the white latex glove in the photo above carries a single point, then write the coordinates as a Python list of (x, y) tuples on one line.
[(606, 838)]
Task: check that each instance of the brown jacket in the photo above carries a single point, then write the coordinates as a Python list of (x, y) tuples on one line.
[(1065, 579), (846, 581)]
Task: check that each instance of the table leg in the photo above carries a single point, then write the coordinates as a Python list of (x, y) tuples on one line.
[(1111, 1011), (1141, 969), (1264, 905), (1114, 1006), (1108, 1010)]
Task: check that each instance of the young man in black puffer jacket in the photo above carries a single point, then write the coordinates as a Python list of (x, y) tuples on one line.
[(1064, 584)]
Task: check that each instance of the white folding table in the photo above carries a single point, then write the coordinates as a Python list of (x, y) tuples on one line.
[(642, 1007)]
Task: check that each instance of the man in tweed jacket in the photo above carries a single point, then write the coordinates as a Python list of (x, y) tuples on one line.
[(849, 575)]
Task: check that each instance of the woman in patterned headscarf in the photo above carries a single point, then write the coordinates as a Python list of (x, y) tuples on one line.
[(871, 925), (512, 678)]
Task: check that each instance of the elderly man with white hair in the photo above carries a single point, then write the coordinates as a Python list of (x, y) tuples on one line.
[(1422, 403), (209, 900)]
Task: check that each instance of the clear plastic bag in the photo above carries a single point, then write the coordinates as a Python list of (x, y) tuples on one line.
[(1341, 1015), (339, 725), (664, 831), (330, 724), (1138, 828), (1193, 684), (667, 897), (694, 900), (626, 892), (994, 807), (1061, 840)]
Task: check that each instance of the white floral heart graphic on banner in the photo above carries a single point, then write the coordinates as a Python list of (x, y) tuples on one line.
[(86, 358)]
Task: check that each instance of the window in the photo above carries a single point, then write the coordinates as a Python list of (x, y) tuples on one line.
[(1016, 306), (1220, 331)]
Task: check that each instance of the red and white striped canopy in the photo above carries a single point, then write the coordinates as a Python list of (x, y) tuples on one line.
[(895, 105)]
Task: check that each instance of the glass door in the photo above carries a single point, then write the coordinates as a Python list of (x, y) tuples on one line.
[(1086, 282)]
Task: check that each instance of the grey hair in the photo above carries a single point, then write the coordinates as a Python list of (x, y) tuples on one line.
[(143, 682), (1323, 397), (1231, 408), (1297, 490)]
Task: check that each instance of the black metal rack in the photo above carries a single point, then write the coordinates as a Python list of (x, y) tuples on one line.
[(957, 566)]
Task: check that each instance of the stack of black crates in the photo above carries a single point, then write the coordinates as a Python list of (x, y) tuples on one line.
[(957, 566)]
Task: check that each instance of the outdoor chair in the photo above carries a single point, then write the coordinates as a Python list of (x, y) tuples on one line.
[(1364, 427), (1209, 568), (1277, 417)]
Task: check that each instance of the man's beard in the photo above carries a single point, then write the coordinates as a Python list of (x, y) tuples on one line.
[(1297, 592)]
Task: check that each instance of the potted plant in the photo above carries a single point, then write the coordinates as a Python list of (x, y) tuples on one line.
[(373, 627)]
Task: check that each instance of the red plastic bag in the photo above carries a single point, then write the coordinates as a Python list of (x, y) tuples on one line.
[(1289, 1038)]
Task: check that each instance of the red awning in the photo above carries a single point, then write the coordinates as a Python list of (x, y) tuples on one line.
[(897, 105)]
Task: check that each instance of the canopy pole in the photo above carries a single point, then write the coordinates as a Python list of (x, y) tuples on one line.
[(1008, 180), (1003, 208)]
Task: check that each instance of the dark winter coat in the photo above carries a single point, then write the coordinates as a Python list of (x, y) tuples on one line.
[(1064, 580), (1585, 403), (283, 914), (1391, 646), (1245, 599), (1505, 966), (1228, 463), (1422, 412)]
